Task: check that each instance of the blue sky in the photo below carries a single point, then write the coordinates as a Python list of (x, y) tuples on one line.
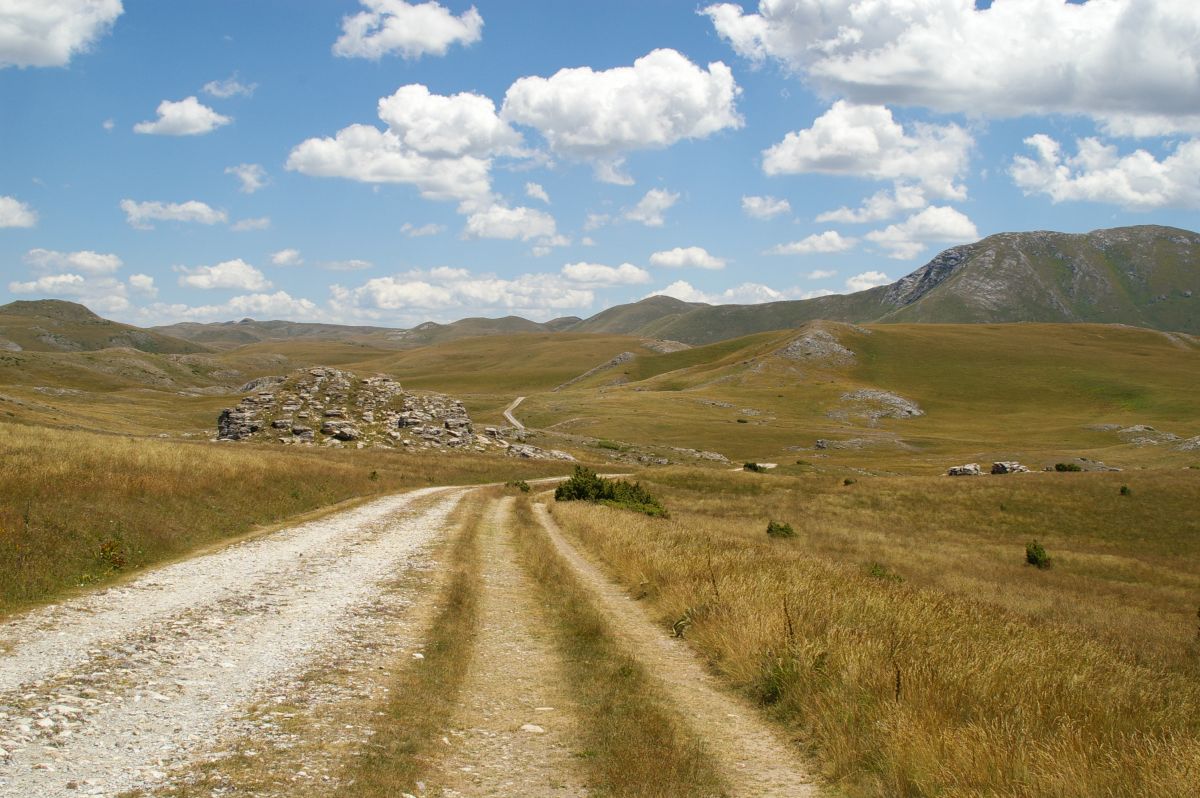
[(389, 162)]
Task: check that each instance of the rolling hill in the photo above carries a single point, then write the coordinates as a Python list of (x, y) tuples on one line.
[(1144, 276), (51, 325)]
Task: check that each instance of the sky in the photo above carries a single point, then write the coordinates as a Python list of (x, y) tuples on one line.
[(389, 162)]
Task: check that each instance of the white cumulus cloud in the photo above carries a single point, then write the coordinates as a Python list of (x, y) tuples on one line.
[(84, 261), (827, 242), (1108, 59), (141, 214), (650, 208), (866, 141), (661, 99), (879, 206), (443, 145), (47, 33), (287, 257), (600, 275), (765, 207), (252, 175), (535, 191), (279, 305), (1098, 173), (457, 291), (498, 221), (907, 239), (187, 117), (408, 29), (687, 257), (143, 284), (861, 282), (821, 274), (14, 213), (447, 125), (235, 274)]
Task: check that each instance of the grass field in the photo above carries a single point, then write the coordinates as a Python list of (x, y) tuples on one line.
[(83, 508), (901, 637)]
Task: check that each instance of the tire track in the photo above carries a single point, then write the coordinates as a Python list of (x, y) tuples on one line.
[(753, 759)]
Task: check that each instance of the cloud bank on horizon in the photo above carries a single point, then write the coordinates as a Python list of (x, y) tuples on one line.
[(396, 161)]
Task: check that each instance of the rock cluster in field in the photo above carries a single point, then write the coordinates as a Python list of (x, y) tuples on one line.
[(330, 407), (817, 345), (873, 405)]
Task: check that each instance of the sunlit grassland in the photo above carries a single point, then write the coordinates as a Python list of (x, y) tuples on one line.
[(80, 508), (988, 391), (901, 637)]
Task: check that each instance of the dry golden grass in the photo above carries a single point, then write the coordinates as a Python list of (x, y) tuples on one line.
[(976, 675), (81, 508), (637, 744)]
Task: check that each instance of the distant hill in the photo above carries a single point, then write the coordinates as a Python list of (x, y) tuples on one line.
[(641, 317), (433, 333), (1146, 276), (52, 325), (228, 334)]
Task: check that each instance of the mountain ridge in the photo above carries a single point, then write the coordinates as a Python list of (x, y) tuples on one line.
[(1144, 276)]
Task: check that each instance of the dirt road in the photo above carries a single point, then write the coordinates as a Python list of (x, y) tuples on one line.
[(112, 690), (136, 686), (508, 412)]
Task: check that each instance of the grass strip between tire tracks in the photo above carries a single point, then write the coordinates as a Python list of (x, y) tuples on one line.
[(637, 745), (426, 691)]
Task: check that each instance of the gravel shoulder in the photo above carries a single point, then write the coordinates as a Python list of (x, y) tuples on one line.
[(750, 754), (113, 690)]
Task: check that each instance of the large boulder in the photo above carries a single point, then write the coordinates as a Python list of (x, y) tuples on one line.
[(968, 470), (1008, 467)]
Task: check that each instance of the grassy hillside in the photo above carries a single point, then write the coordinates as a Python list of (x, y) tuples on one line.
[(1036, 392), (51, 325), (229, 334)]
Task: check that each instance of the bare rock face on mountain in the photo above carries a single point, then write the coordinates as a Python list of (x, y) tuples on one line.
[(330, 407)]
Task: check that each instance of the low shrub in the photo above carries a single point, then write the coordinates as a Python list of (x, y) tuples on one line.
[(612, 445), (519, 484), (1125, 491), (849, 481), (1035, 555), (1067, 467), (743, 421), (780, 529), (586, 485), (755, 467), (878, 570)]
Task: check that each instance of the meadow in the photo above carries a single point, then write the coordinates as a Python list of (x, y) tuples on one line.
[(902, 639)]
